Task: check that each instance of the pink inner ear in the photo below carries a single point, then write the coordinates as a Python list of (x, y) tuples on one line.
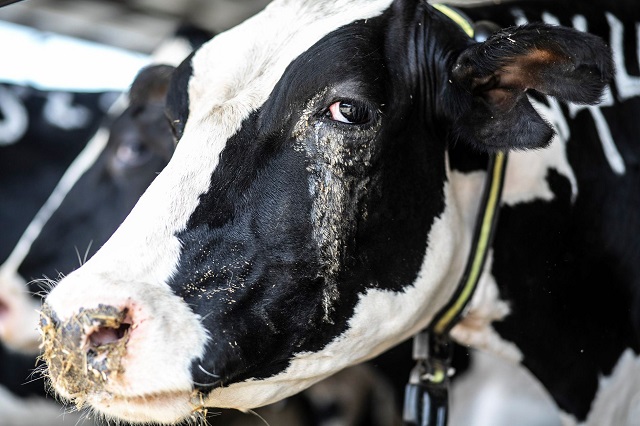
[(526, 71)]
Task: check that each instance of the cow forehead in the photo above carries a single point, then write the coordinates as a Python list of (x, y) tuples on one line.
[(234, 73)]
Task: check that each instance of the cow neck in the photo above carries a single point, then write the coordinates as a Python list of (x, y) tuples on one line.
[(426, 395)]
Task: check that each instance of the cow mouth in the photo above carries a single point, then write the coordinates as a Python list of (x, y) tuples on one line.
[(164, 407)]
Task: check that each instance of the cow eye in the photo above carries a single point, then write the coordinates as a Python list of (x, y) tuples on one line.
[(132, 153), (350, 112)]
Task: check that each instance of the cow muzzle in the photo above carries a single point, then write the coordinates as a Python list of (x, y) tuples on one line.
[(104, 342), (86, 351)]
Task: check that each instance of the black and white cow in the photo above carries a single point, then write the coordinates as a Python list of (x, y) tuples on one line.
[(89, 197), (320, 204), (41, 132), (139, 144), (100, 189)]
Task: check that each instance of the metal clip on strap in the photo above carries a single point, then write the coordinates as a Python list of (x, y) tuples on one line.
[(427, 394)]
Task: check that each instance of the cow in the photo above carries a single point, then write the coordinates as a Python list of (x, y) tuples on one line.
[(41, 132), (139, 144), (320, 206), (101, 187), (118, 159), (116, 156)]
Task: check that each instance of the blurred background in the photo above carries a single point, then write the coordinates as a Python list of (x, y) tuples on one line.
[(137, 25), (97, 35)]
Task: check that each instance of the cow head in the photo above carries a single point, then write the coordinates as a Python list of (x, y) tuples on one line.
[(307, 220), (100, 192)]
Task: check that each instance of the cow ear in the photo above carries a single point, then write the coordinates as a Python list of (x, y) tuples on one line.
[(151, 84), (497, 74)]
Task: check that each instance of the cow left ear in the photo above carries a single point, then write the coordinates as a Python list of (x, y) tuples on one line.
[(496, 75)]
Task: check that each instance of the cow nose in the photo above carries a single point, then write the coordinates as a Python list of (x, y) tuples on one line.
[(4, 308), (18, 317), (85, 351)]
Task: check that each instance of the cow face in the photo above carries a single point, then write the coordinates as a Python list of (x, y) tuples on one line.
[(138, 146), (306, 221)]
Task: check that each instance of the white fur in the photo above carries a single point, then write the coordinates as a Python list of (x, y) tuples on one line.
[(165, 337), (525, 177)]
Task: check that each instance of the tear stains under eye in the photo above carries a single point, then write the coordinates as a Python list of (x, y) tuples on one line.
[(339, 162)]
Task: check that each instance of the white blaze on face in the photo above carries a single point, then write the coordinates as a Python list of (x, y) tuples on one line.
[(233, 75)]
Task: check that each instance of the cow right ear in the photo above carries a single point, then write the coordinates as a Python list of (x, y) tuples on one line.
[(493, 111)]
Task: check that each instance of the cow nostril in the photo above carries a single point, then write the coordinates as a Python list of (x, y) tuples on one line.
[(104, 335)]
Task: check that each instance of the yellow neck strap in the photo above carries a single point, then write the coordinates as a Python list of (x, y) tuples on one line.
[(448, 316)]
